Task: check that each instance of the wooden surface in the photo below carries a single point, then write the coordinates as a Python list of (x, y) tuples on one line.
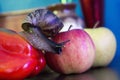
[(105, 73), (13, 20)]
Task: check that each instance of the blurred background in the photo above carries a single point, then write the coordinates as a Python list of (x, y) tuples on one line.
[(12, 13)]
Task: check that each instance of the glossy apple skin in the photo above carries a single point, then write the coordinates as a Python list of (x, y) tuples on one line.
[(77, 55), (18, 59), (105, 43)]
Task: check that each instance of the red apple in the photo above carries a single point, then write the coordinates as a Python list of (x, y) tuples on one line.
[(77, 55)]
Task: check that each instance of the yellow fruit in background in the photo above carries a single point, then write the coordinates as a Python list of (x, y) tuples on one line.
[(105, 43)]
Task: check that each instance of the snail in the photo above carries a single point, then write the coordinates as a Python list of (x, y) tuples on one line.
[(46, 20), (38, 26)]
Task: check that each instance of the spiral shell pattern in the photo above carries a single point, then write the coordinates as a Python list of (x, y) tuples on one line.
[(49, 23)]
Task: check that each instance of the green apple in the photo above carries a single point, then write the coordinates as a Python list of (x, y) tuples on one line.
[(105, 43)]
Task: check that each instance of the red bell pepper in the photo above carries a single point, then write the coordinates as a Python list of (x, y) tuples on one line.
[(18, 59)]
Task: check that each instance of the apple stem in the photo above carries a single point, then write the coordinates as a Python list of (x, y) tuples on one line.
[(70, 27), (96, 24)]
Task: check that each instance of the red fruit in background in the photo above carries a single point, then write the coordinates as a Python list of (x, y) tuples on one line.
[(92, 12), (77, 55), (18, 59)]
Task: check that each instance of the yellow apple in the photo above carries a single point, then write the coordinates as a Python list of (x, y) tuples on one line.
[(105, 43)]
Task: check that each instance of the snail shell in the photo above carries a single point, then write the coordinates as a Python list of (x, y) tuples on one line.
[(38, 26), (49, 23)]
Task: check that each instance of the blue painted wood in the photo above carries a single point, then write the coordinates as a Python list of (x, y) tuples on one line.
[(13, 5)]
